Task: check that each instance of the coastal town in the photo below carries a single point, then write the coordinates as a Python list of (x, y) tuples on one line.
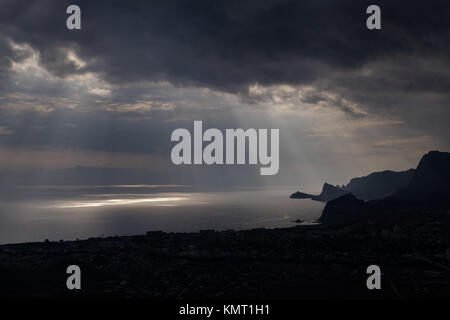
[(309, 262)]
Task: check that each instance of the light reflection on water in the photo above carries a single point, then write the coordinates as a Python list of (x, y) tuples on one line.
[(35, 214), (117, 202)]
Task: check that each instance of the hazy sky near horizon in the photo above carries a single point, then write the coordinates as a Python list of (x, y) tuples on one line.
[(347, 100)]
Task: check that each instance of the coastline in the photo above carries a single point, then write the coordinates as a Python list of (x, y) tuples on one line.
[(301, 262)]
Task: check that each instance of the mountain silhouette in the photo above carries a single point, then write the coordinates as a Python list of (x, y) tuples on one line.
[(342, 210), (430, 184), (429, 189), (379, 185), (329, 192), (433, 172)]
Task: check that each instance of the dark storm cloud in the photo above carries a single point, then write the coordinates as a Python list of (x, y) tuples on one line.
[(231, 64), (225, 44), (7, 57)]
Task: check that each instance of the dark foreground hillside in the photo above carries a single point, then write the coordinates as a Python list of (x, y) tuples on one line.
[(304, 262)]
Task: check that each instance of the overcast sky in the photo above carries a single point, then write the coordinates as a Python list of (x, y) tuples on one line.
[(347, 100)]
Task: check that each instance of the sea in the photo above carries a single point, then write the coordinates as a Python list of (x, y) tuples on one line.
[(37, 213)]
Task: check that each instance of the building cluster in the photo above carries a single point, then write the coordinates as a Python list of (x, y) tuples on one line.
[(300, 262)]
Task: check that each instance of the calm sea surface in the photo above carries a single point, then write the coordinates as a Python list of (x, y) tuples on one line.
[(70, 212)]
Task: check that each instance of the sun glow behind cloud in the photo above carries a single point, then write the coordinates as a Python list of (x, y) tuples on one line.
[(66, 107)]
